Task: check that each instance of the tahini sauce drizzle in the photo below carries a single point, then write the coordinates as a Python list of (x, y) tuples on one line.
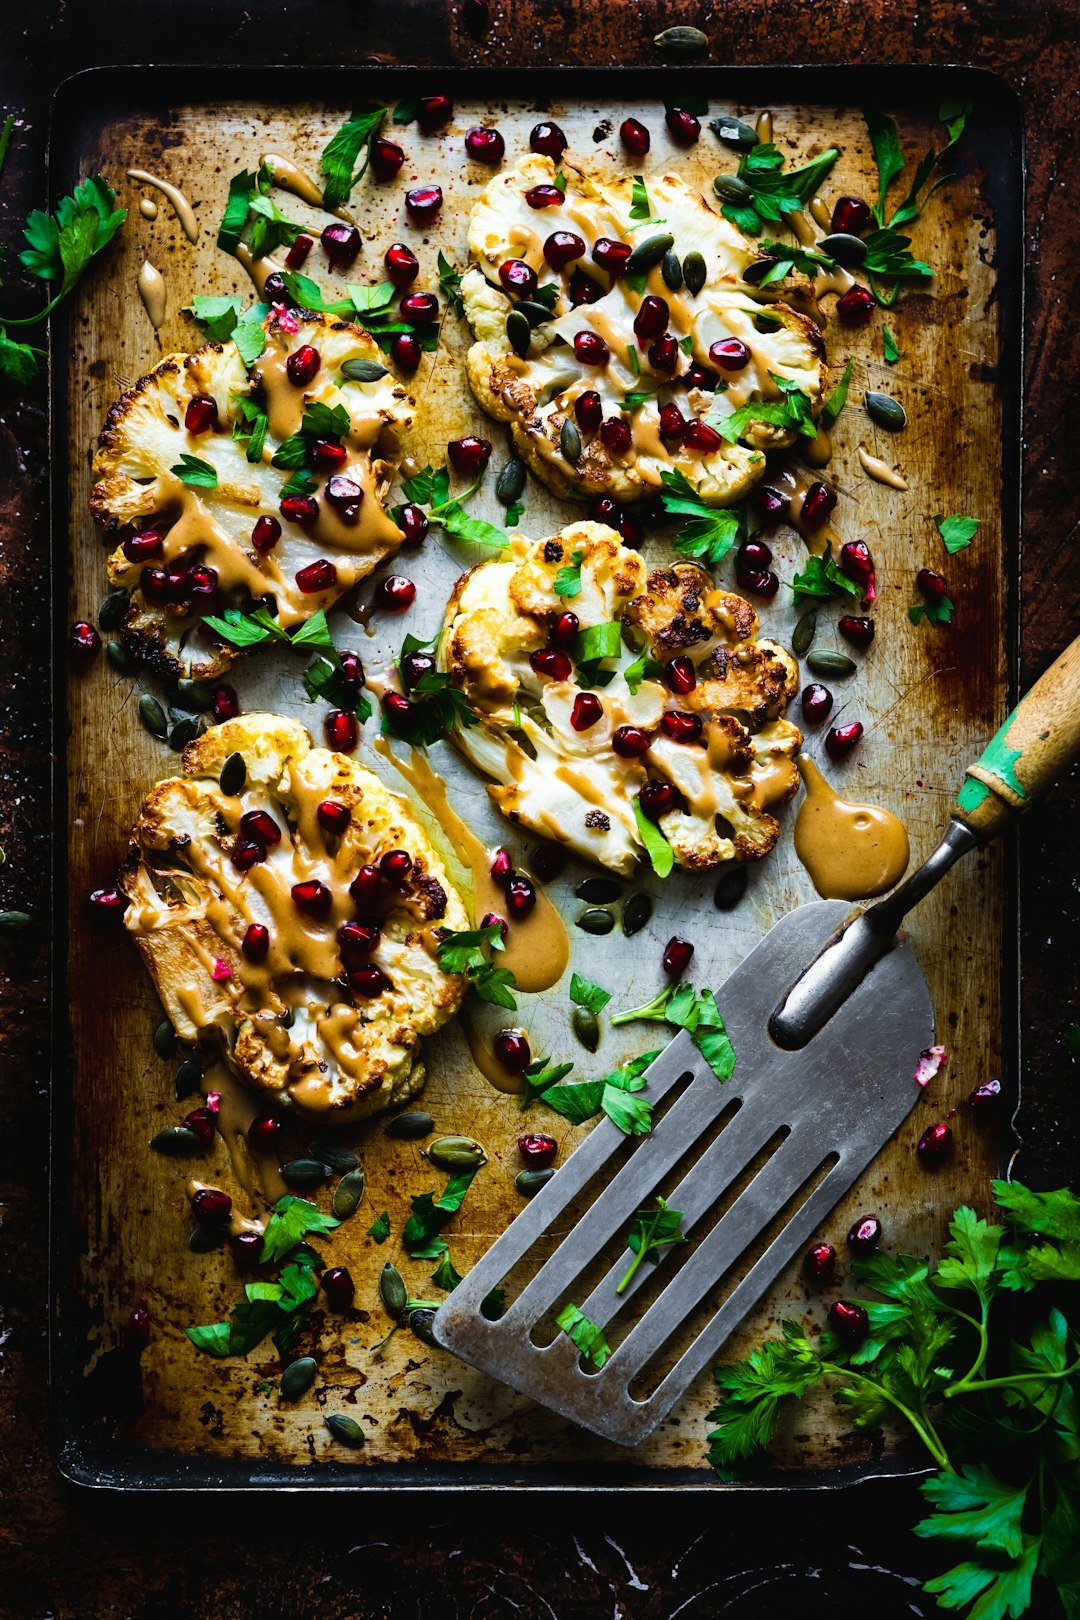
[(880, 471), (290, 177), (151, 285), (181, 207), (851, 851), (256, 1170), (148, 208)]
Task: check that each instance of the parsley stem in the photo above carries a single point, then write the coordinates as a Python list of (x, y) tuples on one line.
[(968, 1383), (922, 1425), (32, 320), (5, 139), (631, 1270)]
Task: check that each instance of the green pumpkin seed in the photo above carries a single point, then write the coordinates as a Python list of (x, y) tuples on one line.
[(299, 1375), (886, 412), (420, 1323), (363, 370), (15, 922), (682, 41), (347, 1195), (731, 189), (598, 891), (731, 888), (188, 1078), (648, 253), (165, 1039), (205, 1238), (119, 657), (113, 611), (233, 775), (303, 1173), (334, 1156), (536, 314), (570, 441), (392, 1291), (345, 1429), (694, 272), (757, 271), (672, 271), (410, 1127), (595, 921), (586, 1027), (803, 637), (845, 249), (733, 132), (152, 716), (178, 1142), (518, 333), (831, 663), (456, 1153), (511, 481), (192, 694), (636, 913), (182, 733), (529, 1182)]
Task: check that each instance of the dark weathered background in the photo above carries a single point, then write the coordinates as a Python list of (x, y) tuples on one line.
[(68, 1554)]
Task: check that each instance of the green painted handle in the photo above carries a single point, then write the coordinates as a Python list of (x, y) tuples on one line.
[(1037, 743)]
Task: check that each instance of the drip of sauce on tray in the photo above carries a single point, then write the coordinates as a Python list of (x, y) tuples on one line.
[(181, 207), (256, 1171), (817, 452), (290, 177), (151, 285), (819, 213), (257, 269), (482, 1052), (236, 1223), (148, 208), (795, 481), (851, 851), (880, 471)]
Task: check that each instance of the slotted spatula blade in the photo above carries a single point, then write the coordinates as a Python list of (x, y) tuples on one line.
[(824, 1111)]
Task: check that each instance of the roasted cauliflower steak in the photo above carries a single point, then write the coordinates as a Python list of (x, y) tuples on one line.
[(570, 742), (537, 391), (192, 472), (276, 931)]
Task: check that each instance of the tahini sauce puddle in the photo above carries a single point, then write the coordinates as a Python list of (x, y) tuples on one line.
[(851, 851)]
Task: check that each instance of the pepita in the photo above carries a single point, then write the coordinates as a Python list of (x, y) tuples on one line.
[(192, 694), (888, 413), (731, 189), (188, 1076), (420, 1323), (586, 1026), (233, 775), (731, 888), (672, 271), (598, 891), (511, 481), (410, 1127), (334, 1156), (299, 1375), (518, 333), (636, 913), (183, 732), (113, 611), (119, 657), (648, 253), (694, 272), (392, 1291), (595, 921), (363, 370), (803, 635), (165, 1039), (303, 1173), (682, 40), (846, 250), (178, 1142), (15, 922), (831, 663), (456, 1153), (345, 1429), (570, 442), (529, 1182), (756, 272), (152, 716), (347, 1195), (733, 132), (205, 1238), (535, 313)]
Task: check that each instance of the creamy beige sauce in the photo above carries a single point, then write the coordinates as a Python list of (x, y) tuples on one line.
[(764, 127), (181, 207), (819, 213), (257, 269), (816, 452), (880, 471), (148, 208), (257, 1171), (236, 1222), (851, 851), (151, 285), (290, 177), (795, 481)]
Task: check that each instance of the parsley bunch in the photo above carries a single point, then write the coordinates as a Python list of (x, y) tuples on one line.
[(709, 533), (1000, 1416), (774, 190), (887, 248), (696, 1012), (252, 215), (821, 578), (430, 489), (464, 952)]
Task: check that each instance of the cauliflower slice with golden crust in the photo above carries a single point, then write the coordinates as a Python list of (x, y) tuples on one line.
[(723, 749), (537, 392), (205, 558), (305, 1019)]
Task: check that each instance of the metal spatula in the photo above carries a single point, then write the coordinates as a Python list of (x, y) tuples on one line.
[(827, 1016)]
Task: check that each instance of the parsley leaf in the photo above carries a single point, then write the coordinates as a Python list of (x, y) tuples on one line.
[(753, 1391), (708, 534), (568, 579), (195, 472), (446, 1275), (437, 706), (886, 248), (644, 668), (342, 152), (217, 316), (791, 412), (822, 578), (774, 191), (585, 1099), (583, 993), (463, 952), (660, 853), (639, 200), (587, 1337), (697, 1013), (250, 425), (597, 642), (1047, 1214), (18, 361), (430, 488), (290, 1221), (61, 245), (651, 1231), (936, 612), (255, 629), (837, 399), (956, 532), (322, 679), (450, 284), (789, 258), (420, 1234), (892, 353), (380, 1227)]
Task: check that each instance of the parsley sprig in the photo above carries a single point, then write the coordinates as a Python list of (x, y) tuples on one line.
[(430, 489), (256, 629), (651, 1231), (614, 1096), (793, 411), (708, 533), (696, 1012), (775, 191), (588, 1338), (437, 706), (342, 152), (422, 1233), (821, 578), (887, 252), (465, 951)]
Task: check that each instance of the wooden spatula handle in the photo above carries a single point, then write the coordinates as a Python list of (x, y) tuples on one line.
[(1037, 743)]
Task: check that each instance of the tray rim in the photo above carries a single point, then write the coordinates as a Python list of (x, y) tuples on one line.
[(123, 1467)]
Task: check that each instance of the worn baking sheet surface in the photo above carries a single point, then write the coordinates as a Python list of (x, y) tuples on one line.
[(928, 700)]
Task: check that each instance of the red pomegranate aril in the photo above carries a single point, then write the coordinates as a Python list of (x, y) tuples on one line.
[(333, 817), (402, 265), (605, 510), (658, 799), (935, 1142), (328, 455), (298, 252), (368, 982), (343, 491), (275, 291), (395, 866), (432, 112), (819, 1262), (554, 666), (491, 919), (144, 545), (680, 726), (138, 1324), (356, 941), (634, 136), (224, 705), (848, 1321), (816, 702), (414, 524), (108, 904), (759, 582), (676, 957), (419, 309), (211, 1206), (470, 455), (395, 593), (548, 139), (543, 196), (548, 861), (154, 584), (302, 365), (683, 127), (537, 1151), (730, 354), (985, 1094), (256, 942), (341, 244), (699, 376), (652, 318), (587, 710), (201, 1121), (405, 351), (264, 1130), (753, 554), (386, 158), (564, 628), (317, 576), (502, 868), (176, 575), (414, 666), (850, 216), (663, 355), (672, 423), (342, 731), (589, 410), (700, 436), (262, 827), (202, 582), (338, 1287), (299, 509), (769, 504), (865, 1235), (402, 714), (857, 563), (201, 415), (856, 306), (818, 503), (485, 145), (630, 742), (680, 676), (611, 255), (520, 895), (583, 289), (590, 349), (856, 629), (366, 886), (517, 278), (630, 531), (930, 585), (350, 670), (266, 534), (423, 203), (562, 248), (312, 897), (513, 1051), (85, 641), (616, 435), (842, 739), (247, 852)]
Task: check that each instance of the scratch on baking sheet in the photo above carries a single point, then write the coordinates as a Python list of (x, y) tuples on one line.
[(636, 1584), (583, 1555), (677, 1565), (712, 1587)]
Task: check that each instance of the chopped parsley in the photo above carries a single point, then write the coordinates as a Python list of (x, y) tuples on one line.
[(585, 1335), (568, 580), (446, 1275), (437, 706), (583, 993), (195, 472), (421, 1233), (292, 1220), (450, 284), (697, 1013), (216, 316), (789, 258), (256, 629), (597, 642), (613, 1096), (709, 533), (644, 668), (651, 1231), (892, 353), (660, 853), (430, 489), (252, 216), (837, 399), (792, 411), (934, 612), (250, 425), (463, 951), (822, 578), (324, 679), (775, 192), (956, 532), (341, 154), (318, 422), (267, 1308), (380, 1227)]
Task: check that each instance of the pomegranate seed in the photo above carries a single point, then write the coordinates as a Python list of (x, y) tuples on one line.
[(386, 158), (652, 318), (513, 1051), (699, 376), (256, 943), (676, 957), (753, 554), (842, 739), (201, 581), (138, 1324), (297, 254), (366, 886), (730, 354), (414, 524), (630, 742), (850, 215), (817, 702), (615, 435), (469, 455), (266, 534), (548, 861), (402, 265), (985, 1094), (683, 127), (502, 868), (395, 866), (491, 919), (328, 456), (262, 827), (630, 531), (85, 641), (346, 496), (342, 731), (224, 705), (672, 423), (857, 563), (351, 670), (562, 248), (769, 504), (554, 665), (865, 1235), (517, 277), (700, 436), (586, 712), (590, 349), (543, 196), (368, 982), (201, 1121), (664, 354), (357, 940), (419, 309), (820, 1261), (611, 255), (634, 136), (856, 629), (818, 503), (605, 510), (395, 593), (338, 1288), (312, 897), (341, 244), (108, 904), (848, 1321), (201, 415), (317, 576), (210, 1206), (432, 112), (520, 895), (423, 203), (930, 585), (564, 629), (760, 582), (405, 351), (144, 545), (485, 145), (299, 509), (414, 666), (537, 1151), (302, 365), (402, 715), (589, 410), (856, 306), (247, 852), (548, 139), (680, 726), (935, 1142), (657, 799)]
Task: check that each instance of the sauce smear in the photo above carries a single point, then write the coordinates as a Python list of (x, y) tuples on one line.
[(851, 851)]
